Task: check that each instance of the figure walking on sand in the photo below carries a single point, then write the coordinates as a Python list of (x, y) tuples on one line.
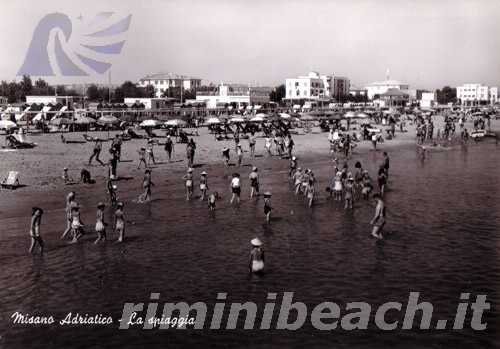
[(36, 238), (169, 147), (256, 263), (142, 158), (100, 225), (378, 220), (96, 152), (146, 184)]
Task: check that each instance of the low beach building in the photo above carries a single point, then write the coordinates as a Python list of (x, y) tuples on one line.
[(476, 94), (68, 101), (163, 81), (381, 87), (393, 98), (150, 103), (234, 94)]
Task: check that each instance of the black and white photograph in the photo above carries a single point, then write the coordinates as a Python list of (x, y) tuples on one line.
[(249, 174)]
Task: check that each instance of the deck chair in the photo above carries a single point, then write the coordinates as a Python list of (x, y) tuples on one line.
[(12, 180)]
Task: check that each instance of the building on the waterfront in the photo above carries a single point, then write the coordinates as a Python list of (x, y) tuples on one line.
[(316, 87), (234, 94), (68, 101), (393, 98), (476, 94), (163, 81), (380, 87), (428, 100), (357, 91), (150, 103)]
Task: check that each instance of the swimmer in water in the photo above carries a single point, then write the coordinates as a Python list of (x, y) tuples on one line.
[(36, 238), (254, 182), (203, 185), (188, 177), (267, 206), (378, 220), (256, 263), (120, 222), (100, 225)]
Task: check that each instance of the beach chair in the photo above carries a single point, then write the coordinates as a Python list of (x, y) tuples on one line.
[(12, 180)]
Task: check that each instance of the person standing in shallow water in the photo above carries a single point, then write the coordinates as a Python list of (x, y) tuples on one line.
[(235, 188), (203, 185), (267, 206), (188, 177), (120, 222), (256, 263), (169, 147), (36, 238), (386, 164), (69, 201), (254, 182), (378, 220), (100, 225)]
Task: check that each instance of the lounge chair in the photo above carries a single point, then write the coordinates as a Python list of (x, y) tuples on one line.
[(12, 180)]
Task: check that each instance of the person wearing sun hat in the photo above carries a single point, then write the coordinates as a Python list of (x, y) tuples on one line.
[(203, 185), (256, 263), (100, 226), (267, 206), (254, 181)]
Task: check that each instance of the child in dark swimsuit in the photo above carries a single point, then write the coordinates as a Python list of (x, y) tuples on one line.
[(267, 206)]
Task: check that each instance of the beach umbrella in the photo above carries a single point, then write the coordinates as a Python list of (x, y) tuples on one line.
[(257, 119), (349, 115), (213, 121), (150, 123), (261, 115), (285, 116), (7, 125), (108, 120), (175, 122), (237, 119)]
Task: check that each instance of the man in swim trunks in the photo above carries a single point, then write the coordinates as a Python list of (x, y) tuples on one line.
[(378, 220)]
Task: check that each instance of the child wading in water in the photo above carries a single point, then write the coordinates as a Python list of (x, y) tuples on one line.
[(36, 238), (120, 222), (212, 198), (146, 184), (235, 188), (76, 223), (203, 185), (256, 264), (349, 192), (267, 206), (100, 225), (188, 177), (254, 182)]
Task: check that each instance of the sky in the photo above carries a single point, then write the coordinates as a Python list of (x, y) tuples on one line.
[(426, 43)]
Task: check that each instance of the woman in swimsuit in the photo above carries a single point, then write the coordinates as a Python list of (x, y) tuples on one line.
[(36, 238), (310, 190), (256, 263), (69, 201), (349, 192), (188, 177), (100, 225), (254, 182), (76, 223), (235, 188), (203, 185), (146, 184), (378, 220), (120, 222), (267, 206)]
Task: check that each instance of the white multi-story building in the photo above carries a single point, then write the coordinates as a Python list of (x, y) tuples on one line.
[(476, 94), (380, 87), (314, 86), (163, 81), (428, 100)]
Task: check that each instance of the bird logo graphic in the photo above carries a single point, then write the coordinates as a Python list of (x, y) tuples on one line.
[(80, 48)]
